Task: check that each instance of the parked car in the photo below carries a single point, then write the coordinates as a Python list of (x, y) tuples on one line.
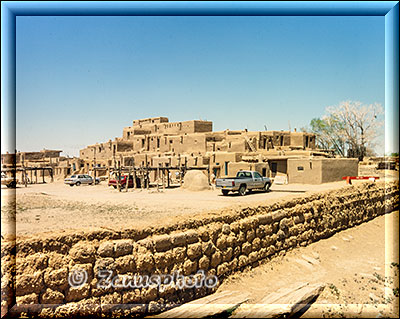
[(79, 179), (10, 182), (114, 182), (243, 182)]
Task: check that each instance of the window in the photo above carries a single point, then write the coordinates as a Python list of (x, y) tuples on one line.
[(257, 175), (226, 168), (300, 168), (244, 174)]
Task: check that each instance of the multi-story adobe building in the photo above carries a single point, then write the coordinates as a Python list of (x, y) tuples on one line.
[(153, 142)]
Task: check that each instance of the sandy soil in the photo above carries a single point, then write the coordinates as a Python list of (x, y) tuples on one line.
[(359, 267), (55, 206)]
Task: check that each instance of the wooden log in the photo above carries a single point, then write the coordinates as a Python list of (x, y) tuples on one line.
[(212, 305), (283, 303)]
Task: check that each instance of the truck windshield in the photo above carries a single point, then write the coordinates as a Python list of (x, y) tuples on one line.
[(243, 174)]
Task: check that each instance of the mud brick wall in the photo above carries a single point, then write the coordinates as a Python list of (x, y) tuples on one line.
[(218, 245)]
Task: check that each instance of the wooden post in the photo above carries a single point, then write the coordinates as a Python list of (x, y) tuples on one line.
[(134, 178), (158, 177), (147, 179), (25, 177), (94, 166), (208, 173), (163, 176), (43, 170), (52, 175), (119, 177), (31, 176), (142, 177), (36, 176), (168, 177), (127, 181), (147, 174)]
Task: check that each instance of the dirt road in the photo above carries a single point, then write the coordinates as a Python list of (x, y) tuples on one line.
[(359, 267), (55, 206)]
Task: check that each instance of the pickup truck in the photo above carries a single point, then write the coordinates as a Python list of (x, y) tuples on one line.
[(244, 181)]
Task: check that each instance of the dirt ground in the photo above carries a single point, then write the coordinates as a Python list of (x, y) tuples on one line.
[(58, 207), (359, 267)]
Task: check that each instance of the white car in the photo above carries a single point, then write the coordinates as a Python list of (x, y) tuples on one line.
[(80, 179), (10, 182)]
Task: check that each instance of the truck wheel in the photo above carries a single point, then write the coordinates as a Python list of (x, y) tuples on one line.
[(225, 192), (78, 183), (12, 184), (242, 190), (71, 185), (266, 187), (115, 186)]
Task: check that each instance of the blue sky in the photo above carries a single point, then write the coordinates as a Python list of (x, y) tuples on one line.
[(80, 80)]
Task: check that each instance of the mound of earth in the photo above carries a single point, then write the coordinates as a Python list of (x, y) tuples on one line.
[(195, 181)]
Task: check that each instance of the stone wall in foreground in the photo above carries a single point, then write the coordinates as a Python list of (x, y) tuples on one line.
[(218, 246)]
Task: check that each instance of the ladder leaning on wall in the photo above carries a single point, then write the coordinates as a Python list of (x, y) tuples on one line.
[(250, 144)]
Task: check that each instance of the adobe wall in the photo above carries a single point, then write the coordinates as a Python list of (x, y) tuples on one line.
[(333, 169), (317, 170), (219, 245), (304, 171)]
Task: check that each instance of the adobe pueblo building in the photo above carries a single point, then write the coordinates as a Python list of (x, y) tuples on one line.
[(39, 167), (156, 142)]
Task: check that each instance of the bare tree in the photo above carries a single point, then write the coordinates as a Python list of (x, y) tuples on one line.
[(349, 128), (359, 125)]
